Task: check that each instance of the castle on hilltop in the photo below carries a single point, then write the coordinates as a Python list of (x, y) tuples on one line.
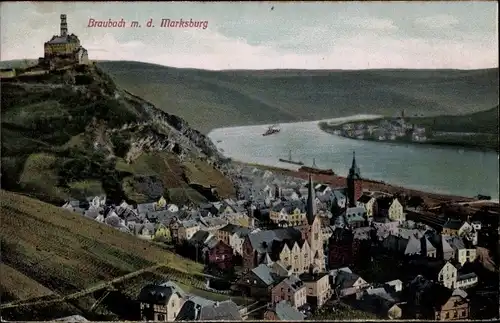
[(63, 49)]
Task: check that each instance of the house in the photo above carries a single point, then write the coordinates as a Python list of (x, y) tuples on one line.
[(258, 282), (451, 227), (211, 223), (370, 205), (290, 289), (200, 309), (443, 248), (283, 311), (220, 255), (162, 233), (236, 240), (450, 277), (455, 307), (187, 229), (347, 283), (427, 248), (395, 211), (429, 300), (226, 232), (462, 253), (318, 288), (355, 217), (161, 204), (292, 212), (160, 302)]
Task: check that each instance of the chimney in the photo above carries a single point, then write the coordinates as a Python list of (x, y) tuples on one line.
[(64, 25)]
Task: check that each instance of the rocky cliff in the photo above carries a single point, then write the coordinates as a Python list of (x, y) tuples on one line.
[(73, 133)]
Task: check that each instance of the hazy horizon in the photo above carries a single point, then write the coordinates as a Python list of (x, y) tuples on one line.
[(268, 35), (282, 69)]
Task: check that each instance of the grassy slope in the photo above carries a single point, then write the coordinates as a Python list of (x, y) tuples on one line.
[(481, 122), (252, 97), (47, 249)]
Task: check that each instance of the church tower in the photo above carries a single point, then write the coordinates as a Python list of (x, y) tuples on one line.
[(314, 236), (354, 183)]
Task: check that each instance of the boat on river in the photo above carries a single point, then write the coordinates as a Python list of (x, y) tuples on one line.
[(290, 160), (272, 130)]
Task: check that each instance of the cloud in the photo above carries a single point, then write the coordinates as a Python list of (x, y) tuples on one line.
[(371, 23), (350, 43), (437, 21)]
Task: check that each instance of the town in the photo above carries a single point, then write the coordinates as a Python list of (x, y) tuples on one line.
[(298, 249), (396, 129)]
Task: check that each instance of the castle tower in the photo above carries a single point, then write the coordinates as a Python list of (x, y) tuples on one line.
[(354, 183), (64, 26)]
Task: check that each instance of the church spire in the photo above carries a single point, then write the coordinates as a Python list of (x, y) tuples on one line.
[(354, 172), (311, 202)]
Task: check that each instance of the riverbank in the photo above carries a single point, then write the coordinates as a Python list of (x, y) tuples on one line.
[(431, 199)]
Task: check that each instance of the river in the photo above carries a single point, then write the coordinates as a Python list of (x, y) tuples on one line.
[(427, 168)]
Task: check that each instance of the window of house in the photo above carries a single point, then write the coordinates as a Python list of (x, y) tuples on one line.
[(467, 253), (161, 317), (296, 257), (447, 315), (462, 313), (172, 304)]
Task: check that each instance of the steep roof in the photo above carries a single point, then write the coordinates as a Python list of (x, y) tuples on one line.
[(197, 310), (264, 272), (285, 312), (354, 172), (156, 294)]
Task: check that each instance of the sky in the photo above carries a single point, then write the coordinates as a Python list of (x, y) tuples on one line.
[(267, 35)]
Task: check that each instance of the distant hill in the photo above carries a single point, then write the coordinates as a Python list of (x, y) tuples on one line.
[(211, 99), (73, 134), (485, 122), (49, 252)]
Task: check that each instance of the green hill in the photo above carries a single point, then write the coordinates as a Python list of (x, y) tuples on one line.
[(73, 133), (48, 252), (485, 122), (262, 97)]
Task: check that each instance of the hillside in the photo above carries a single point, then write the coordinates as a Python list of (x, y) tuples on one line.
[(48, 252), (485, 122), (73, 133), (271, 96)]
